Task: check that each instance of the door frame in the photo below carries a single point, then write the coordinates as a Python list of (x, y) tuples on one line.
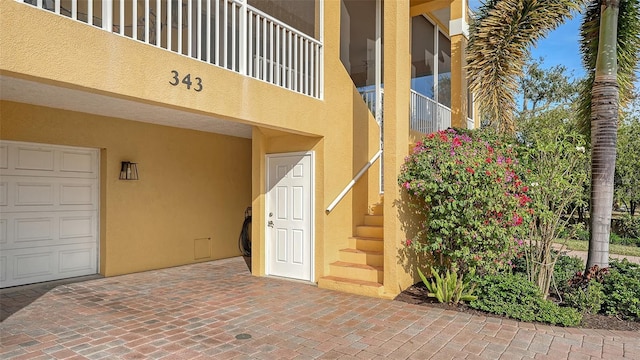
[(312, 217)]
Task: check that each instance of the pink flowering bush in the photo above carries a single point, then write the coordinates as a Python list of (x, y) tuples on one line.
[(467, 191)]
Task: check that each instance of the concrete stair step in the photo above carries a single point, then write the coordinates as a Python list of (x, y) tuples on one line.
[(366, 243), (366, 288), (373, 258), (370, 231), (357, 271), (374, 220), (376, 209)]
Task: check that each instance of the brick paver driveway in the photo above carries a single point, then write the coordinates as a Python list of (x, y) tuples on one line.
[(203, 311)]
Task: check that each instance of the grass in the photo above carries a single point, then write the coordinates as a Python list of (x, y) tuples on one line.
[(581, 245)]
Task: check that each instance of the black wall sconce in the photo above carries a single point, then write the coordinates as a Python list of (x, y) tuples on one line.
[(128, 171)]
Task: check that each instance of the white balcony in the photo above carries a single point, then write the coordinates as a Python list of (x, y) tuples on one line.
[(427, 116), (227, 33)]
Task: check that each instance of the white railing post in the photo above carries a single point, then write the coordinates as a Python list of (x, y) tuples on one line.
[(179, 27), (121, 18), (199, 27), (146, 21), (90, 12), (107, 15), (169, 25), (74, 9), (242, 66), (158, 23), (189, 28), (208, 37), (217, 32)]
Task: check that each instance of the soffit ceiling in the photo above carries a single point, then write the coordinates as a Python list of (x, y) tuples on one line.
[(35, 93)]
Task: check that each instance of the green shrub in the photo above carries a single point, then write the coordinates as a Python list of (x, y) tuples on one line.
[(564, 269), (622, 240), (622, 290), (628, 231), (582, 234), (449, 288), (556, 315), (630, 226), (519, 264), (556, 160), (588, 299), (518, 298), (477, 209)]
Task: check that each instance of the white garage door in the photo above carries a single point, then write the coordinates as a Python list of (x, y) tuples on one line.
[(48, 212)]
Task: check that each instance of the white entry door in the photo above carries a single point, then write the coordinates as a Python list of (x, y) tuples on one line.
[(290, 215), (48, 212)]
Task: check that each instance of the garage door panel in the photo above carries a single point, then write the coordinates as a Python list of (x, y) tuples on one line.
[(3, 232), (3, 268), (34, 229), (76, 194), (29, 194), (33, 264), (77, 259), (4, 197), (22, 266), (48, 212), (4, 156), (22, 193), (20, 159), (77, 226), (32, 158), (77, 162)]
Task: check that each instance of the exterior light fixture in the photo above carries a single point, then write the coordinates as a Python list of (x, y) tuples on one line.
[(128, 171)]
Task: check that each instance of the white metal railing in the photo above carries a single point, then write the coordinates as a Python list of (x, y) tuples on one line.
[(369, 97), (353, 181), (227, 33), (427, 115), (470, 123)]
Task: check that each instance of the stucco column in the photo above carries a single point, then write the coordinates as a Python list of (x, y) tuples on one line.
[(397, 77), (258, 236), (459, 32)]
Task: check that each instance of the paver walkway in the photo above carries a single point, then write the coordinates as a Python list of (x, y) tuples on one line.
[(202, 311)]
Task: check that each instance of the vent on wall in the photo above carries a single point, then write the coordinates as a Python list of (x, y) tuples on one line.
[(201, 248)]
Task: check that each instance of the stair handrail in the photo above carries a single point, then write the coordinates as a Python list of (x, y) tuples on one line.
[(353, 182)]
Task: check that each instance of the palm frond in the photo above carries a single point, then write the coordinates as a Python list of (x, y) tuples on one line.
[(628, 48), (500, 37)]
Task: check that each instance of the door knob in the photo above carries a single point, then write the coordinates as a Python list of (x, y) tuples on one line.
[(270, 224)]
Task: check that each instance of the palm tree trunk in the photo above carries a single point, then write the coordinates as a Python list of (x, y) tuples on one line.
[(604, 127)]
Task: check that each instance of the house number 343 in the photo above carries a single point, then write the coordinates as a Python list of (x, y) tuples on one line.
[(186, 80)]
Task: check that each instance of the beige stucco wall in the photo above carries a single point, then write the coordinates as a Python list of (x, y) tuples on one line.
[(339, 128), (193, 185), (397, 58)]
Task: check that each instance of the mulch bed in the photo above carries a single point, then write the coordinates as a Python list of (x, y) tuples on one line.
[(417, 294)]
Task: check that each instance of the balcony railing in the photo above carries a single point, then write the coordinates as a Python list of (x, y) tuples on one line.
[(227, 33), (427, 115), (470, 123), (369, 96)]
